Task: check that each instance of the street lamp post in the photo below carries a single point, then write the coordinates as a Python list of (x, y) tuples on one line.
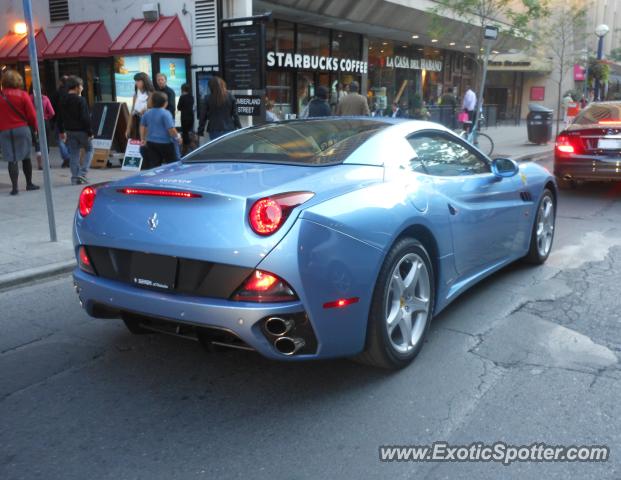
[(601, 32)]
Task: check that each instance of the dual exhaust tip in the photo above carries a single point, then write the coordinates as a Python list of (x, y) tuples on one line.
[(278, 327)]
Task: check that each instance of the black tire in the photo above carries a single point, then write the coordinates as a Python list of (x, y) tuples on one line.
[(566, 184), (132, 322), (534, 256), (379, 351)]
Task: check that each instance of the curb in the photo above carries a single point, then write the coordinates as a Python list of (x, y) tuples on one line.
[(28, 275), (533, 157)]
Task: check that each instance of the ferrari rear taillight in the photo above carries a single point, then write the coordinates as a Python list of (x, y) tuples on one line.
[(264, 287), (84, 261), (87, 200), (268, 214)]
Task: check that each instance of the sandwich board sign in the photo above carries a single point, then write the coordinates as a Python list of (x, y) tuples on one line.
[(132, 161)]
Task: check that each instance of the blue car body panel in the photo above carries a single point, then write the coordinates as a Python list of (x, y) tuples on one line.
[(331, 247)]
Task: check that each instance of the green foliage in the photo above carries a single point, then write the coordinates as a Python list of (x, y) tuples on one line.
[(598, 70), (615, 54)]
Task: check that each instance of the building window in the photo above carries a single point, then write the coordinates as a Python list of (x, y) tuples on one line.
[(205, 19), (59, 10)]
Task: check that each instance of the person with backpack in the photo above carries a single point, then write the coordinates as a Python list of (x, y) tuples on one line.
[(74, 124), (17, 117)]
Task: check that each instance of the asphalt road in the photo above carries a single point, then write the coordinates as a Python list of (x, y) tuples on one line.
[(531, 355)]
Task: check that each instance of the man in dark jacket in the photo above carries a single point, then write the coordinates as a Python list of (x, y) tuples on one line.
[(161, 86), (319, 106), (74, 125), (61, 90)]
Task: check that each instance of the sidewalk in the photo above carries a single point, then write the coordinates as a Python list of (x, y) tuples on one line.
[(512, 142), (27, 253)]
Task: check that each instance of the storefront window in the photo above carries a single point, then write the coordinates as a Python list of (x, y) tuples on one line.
[(174, 69), (280, 36), (124, 70), (279, 92), (313, 40)]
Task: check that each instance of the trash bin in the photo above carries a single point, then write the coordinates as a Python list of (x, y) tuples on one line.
[(539, 123)]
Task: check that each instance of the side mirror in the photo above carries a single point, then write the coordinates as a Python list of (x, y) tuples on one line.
[(504, 167)]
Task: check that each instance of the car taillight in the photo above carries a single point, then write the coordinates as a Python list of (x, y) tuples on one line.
[(87, 200), (264, 287), (268, 214), (566, 144), (84, 261)]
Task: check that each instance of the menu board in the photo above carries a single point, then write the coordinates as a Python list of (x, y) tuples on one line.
[(243, 48)]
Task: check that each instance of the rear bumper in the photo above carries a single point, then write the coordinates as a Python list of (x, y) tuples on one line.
[(588, 168), (244, 320)]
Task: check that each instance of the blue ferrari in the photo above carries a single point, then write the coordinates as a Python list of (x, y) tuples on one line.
[(309, 239)]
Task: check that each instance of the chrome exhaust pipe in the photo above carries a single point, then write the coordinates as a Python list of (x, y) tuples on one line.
[(278, 326), (568, 177), (288, 346)]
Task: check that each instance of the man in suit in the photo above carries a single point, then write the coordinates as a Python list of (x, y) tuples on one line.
[(353, 104), (396, 111)]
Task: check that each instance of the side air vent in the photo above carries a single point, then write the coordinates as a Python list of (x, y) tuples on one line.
[(205, 19)]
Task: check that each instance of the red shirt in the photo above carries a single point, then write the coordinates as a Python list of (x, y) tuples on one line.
[(21, 102), (48, 110)]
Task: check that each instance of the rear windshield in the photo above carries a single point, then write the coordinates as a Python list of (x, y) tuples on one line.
[(599, 113), (303, 142)]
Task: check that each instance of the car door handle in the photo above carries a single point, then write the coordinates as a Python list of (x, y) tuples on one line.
[(452, 209)]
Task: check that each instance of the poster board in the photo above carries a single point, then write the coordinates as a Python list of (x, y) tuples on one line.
[(132, 161), (109, 122), (243, 51)]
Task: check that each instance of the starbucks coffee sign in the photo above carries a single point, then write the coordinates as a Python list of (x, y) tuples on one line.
[(414, 63), (314, 62)]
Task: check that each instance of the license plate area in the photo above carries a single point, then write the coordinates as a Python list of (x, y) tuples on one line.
[(153, 271), (609, 144)]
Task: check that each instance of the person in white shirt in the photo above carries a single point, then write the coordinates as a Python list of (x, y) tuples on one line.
[(469, 103), (140, 103)]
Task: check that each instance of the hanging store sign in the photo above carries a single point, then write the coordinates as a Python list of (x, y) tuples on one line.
[(242, 49), (314, 62), (414, 63)]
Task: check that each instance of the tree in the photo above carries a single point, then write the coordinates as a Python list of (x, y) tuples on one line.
[(564, 38), (513, 17)]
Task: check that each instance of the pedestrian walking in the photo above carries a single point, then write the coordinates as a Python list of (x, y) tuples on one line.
[(143, 88), (161, 85), (448, 99), (270, 116), (396, 111), (157, 132), (353, 104), (218, 111), (17, 116), (186, 108), (469, 104), (74, 124), (48, 117), (319, 106), (61, 90)]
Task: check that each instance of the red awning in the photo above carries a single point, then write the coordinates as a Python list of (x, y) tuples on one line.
[(165, 35), (14, 47), (82, 39)]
